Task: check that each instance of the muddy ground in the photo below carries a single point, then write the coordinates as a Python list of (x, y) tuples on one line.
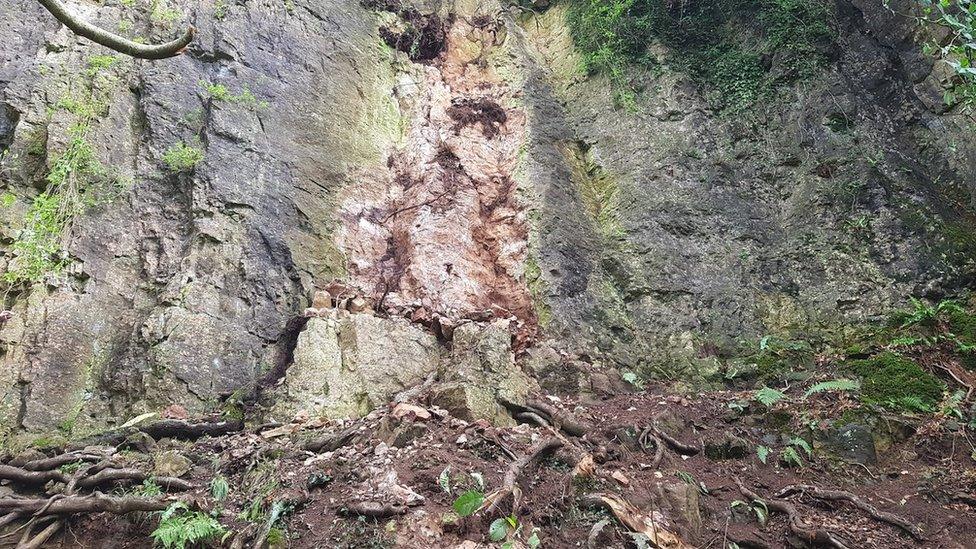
[(395, 476)]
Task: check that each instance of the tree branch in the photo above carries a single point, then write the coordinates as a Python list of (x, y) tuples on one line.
[(114, 41)]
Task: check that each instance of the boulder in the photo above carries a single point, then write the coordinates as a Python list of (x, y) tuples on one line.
[(171, 464), (346, 367), (481, 370), (854, 443)]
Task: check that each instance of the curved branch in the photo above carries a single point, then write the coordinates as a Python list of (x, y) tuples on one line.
[(114, 41)]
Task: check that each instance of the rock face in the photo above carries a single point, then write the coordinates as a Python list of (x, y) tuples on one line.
[(451, 159)]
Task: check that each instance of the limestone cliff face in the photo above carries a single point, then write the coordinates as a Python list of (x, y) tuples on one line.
[(447, 160)]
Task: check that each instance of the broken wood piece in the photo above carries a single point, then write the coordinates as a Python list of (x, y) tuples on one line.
[(374, 509)]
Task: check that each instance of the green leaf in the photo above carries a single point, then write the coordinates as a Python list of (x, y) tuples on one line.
[(219, 488), (444, 480), (835, 385), (468, 503), (498, 529), (763, 453), (797, 441), (767, 396), (533, 542), (762, 512)]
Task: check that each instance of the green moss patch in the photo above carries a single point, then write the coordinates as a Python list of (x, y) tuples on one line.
[(897, 383), (739, 50)]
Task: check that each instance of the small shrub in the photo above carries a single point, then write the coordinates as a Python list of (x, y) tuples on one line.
[(37, 250), (182, 157), (98, 63), (220, 92)]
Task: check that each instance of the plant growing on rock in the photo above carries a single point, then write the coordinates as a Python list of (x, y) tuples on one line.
[(181, 157)]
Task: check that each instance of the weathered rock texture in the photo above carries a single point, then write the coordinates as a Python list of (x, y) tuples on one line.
[(476, 170)]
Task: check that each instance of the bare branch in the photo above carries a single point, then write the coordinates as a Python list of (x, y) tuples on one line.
[(114, 41)]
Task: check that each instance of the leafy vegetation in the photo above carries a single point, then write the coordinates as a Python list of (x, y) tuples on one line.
[(709, 42), (38, 248), (767, 396), (220, 92), (833, 385), (467, 503), (957, 47), (181, 157), (180, 528)]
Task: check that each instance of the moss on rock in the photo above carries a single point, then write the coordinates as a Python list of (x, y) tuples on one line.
[(897, 383)]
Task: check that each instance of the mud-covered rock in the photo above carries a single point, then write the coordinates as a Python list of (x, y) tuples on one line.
[(171, 464)]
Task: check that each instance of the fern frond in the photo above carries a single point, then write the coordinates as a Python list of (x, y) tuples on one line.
[(834, 385)]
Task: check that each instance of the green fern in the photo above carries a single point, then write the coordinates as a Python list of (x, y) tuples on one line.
[(791, 457), (835, 385), (219, 488), (179, 527), (800, 443), (767, 396), (763, 453)]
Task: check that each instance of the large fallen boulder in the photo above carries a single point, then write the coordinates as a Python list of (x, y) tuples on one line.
[(345, 367)]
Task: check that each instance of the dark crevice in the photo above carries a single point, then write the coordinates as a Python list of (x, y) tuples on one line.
[(284, 352), (9, 117)]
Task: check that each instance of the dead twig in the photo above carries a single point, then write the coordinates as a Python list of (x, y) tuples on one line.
[(841, 495)]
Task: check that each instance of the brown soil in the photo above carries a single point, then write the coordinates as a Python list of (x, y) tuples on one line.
[(927, 479)]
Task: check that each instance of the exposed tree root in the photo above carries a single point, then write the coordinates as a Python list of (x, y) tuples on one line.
[(18, 475), (63, 459), (374, 509), (813, 536), (675, 444), (166, 428), (94, 503), (333, 441), (840, 495), (647, 438), (39, 540), (510, 483), (561, 420)]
